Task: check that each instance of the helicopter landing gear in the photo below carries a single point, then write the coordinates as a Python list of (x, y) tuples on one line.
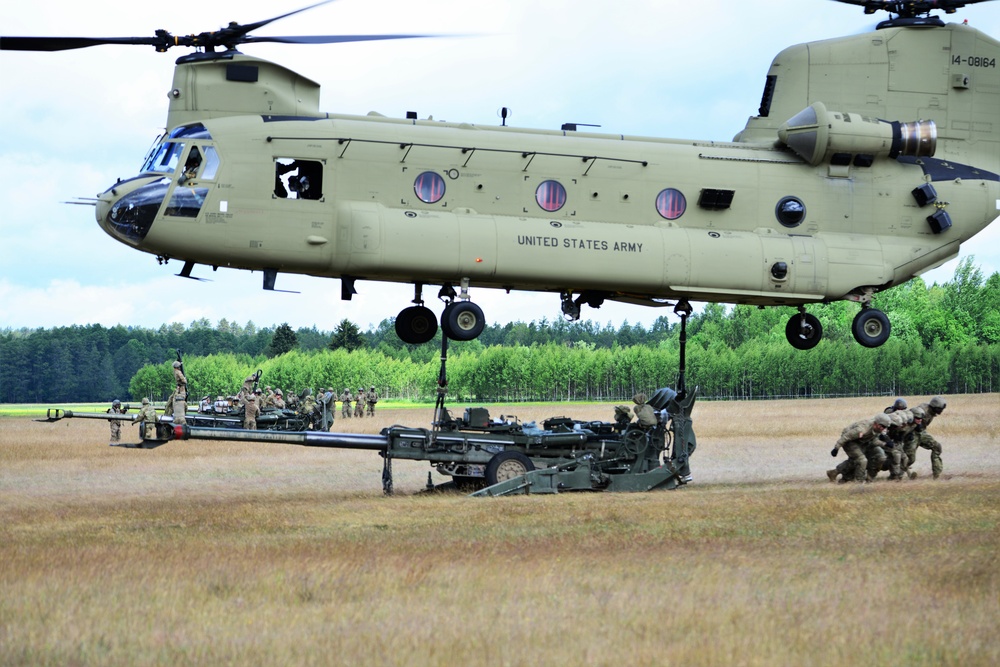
[(803, 331), (871, 327), (461, 319), (418, 323)]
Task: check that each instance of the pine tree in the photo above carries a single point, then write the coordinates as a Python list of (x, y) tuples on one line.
[(284, 340), (347, 336)]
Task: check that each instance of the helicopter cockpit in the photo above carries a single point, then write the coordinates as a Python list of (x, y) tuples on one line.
[(163, 179)]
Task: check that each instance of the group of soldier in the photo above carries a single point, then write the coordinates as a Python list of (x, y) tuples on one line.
[(888, 441), (320, 407)]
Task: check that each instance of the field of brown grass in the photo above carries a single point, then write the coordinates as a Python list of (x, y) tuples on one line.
[(227, 553)]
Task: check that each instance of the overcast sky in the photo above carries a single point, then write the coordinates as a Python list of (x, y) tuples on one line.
[(73, 122)]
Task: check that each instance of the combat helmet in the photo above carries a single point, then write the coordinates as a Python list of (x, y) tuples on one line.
[(883, 419), (918, 412), (897, 419), (177, 364), (938, 403), (145, 401), (639, 398), (899, 404)]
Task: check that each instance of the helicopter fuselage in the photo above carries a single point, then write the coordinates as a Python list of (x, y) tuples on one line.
[(855, 177)]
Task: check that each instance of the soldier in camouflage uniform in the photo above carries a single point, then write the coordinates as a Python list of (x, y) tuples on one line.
[(892, 444), (345, 409), (250, 413), (359, 403), (307, 406), (371, 398), (860, 443), (116, 426), (920, 437), (146, 417), (278, 401), (179, 407)]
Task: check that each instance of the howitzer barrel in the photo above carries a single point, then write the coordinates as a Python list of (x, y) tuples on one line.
[(55, 414), (305, 438)]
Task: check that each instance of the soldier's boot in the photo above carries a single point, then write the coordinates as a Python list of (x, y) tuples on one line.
[(912, 474), (832, 475)]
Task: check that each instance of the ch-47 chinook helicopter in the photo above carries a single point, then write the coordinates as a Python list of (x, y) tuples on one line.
[(871, 159)]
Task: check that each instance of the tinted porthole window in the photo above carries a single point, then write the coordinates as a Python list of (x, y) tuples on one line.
[(671, 204), (790, 211), (550, 195), (429, 187)]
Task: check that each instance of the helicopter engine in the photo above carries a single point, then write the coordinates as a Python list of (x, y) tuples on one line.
[(817, 135)]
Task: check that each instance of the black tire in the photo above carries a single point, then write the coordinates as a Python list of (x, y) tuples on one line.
[(463, 320), (507, 465), (871, 327), (416, 325), (804, 331)]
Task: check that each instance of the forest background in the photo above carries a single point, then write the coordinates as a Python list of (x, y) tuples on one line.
[(945, 339)]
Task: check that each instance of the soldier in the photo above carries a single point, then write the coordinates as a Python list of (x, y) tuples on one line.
[(345, 410), (250, 413), (359, 403), (860, 443), (146, 417), (920, 436), (116, 426), (245, 390), (897, 405), (644, 413), (179, 406), (293, 400), (278, 401), (308, 406), (327, 405), (371, 399), (892, 444)]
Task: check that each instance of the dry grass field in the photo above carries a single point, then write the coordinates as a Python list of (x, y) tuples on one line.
[(236, 554)]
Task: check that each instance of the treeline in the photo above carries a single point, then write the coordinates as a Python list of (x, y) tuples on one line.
[(946, 338)]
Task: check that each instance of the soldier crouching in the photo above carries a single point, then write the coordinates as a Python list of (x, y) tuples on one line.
[(861, 444)]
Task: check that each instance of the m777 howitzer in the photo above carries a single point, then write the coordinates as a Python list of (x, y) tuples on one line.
[(503, 456)]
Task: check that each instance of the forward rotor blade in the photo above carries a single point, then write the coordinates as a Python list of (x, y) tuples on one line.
[(329, 39), (67, 43)]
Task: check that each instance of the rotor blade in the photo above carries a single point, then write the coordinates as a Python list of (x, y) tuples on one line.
[(67, 43), (329, 39), (250, 27)]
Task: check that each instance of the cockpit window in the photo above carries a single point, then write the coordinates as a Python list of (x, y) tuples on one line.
[(195, 131), (164, 160), (211, 163)]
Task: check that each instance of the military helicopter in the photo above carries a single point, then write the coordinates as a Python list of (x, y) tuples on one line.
[(871, 159)]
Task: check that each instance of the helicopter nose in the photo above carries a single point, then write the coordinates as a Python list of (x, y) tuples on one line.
[(129, 215)]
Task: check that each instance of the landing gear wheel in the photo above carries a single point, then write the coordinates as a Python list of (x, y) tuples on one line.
[(416, 325), (803, 331), (871, 327), (462, 320), (507, 465)]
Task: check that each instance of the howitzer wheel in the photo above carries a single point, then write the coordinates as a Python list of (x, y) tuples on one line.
[(507, 465)]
